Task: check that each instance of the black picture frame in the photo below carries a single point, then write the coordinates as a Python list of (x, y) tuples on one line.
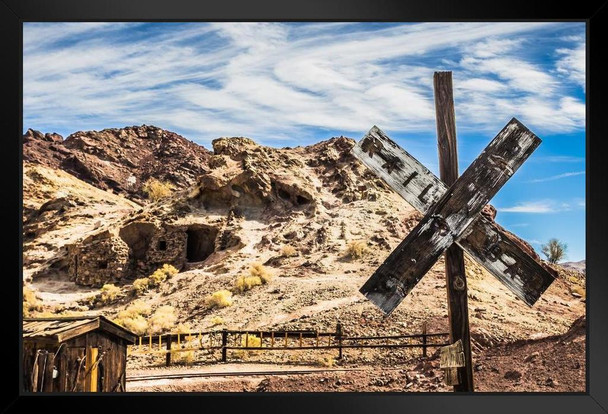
[(595, 13)]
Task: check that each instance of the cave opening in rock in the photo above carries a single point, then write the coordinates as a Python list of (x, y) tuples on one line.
[(302, 200), (284, 194), (200, 242), (137, 236)]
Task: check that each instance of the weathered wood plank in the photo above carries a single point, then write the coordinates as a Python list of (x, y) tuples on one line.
[(486, 242), (455, 274), (448, 219)]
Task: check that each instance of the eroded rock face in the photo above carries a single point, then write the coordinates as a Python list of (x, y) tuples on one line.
[(122, 159), (247, 175)]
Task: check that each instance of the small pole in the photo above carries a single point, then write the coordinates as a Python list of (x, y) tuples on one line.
[(424, 339), (285, 340), (261, 339), (339, 335), (300, 339), (159, 342), (168, 355), (224, 343), (272, 339)]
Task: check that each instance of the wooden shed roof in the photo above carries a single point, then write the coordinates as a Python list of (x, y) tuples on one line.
[(61, 329)]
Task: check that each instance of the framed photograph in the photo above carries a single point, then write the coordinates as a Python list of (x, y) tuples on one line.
[(363, 207)]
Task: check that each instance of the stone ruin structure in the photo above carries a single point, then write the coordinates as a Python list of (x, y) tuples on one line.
[(140, 247)]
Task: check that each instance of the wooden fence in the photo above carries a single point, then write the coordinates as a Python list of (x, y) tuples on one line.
[(282, 340)]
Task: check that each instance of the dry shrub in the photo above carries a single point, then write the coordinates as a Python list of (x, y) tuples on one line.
[(288, 251), (183, 327), (219, 299), (169, 270), (326, 361), (162, 320), (30, 302), (140, 286), (257, 269), (184, 357), (161, 274), (245, 283), (356, 249), (217, 320), (578, 290), (156, 189), (109, 293), (251, 341), (132, 318)]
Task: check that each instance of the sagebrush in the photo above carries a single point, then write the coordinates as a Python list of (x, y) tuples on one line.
[(219, 299), (156, 189), (109, 293), (134, 318), (257, 269), (356, 249), (140, 286), (288, 251), (163, 320), (249, 340), (30, 302), (245, 283)]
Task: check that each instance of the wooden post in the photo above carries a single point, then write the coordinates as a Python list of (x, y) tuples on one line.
[(90, 381), (168, 356), (224, 343), (456, 281), (339, 335), (424, 339)]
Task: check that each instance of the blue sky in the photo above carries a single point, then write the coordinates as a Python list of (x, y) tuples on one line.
[(289, 84)]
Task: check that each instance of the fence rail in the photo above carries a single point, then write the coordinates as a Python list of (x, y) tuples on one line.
[(283, 340)]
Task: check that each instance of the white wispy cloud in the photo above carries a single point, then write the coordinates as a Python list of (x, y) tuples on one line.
[(557, 177), (286, 80), (572, 64), (542, 206), (559, 159)]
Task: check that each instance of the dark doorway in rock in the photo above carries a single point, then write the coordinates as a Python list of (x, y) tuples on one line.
[(137, 236), (162, 245), (200, 242)]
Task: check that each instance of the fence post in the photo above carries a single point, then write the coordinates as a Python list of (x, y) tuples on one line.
[(339, 335), (424, 339), (168, 356), (224, 343)]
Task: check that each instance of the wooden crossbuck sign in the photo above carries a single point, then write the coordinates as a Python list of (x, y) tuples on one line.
[(452, 220)]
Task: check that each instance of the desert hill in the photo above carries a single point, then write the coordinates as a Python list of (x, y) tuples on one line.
[(312, 220), (119, 159)]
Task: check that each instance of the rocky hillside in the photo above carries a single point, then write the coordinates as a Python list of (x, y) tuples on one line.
[(579, 266), (120, 160), (313, 219)]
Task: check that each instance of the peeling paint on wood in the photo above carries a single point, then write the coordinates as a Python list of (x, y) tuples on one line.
[(483, 239), (397, 276)]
